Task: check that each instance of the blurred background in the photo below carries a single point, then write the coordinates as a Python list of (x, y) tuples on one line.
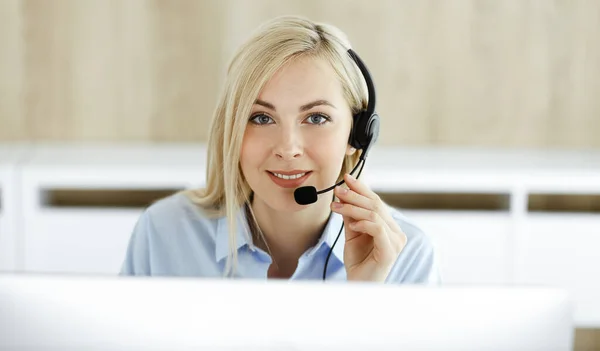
[(105, 106), (510, 73)]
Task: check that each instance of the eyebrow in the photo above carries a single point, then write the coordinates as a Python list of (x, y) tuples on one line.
[(303, 108)]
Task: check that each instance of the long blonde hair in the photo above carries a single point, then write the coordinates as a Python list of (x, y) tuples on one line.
[(275, 43)]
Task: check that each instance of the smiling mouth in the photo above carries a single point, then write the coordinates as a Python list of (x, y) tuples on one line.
[(288, 177), (289, 181)]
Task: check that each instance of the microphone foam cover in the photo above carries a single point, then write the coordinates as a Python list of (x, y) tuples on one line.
[(305, 195)]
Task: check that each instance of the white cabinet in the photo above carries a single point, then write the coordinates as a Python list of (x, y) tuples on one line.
[(78, 240), (562, 249), (511, 247), (78, 212), (473, 247), (8, 224), (10, 210)]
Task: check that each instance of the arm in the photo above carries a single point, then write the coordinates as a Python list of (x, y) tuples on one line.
[(137, 257), (418, 262)]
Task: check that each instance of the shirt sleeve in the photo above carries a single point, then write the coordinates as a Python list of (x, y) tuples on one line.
[(137, 256), (418, 261)]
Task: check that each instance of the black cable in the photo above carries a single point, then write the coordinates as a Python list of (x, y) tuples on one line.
[(342, 227)]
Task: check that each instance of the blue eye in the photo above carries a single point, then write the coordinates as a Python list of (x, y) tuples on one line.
[(318, 119), (260, 119)]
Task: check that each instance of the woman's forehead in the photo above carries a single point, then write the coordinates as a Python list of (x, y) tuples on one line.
[(302, 81)]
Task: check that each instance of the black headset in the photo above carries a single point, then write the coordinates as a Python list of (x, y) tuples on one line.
[(364, 133), (365, 129)]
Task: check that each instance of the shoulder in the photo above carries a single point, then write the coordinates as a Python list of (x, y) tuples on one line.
[(176, 212), (417, 263), (167, 231)]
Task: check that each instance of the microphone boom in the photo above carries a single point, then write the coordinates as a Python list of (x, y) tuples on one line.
[(307, 195)]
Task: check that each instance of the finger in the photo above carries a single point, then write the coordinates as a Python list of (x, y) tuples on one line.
[(359, 187), (376, 205), (354, 198), (356, 213), (348, 216), (350, 234), (373, 203), (375, 230)]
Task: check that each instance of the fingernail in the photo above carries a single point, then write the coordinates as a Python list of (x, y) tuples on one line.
[(341, 190), (351, 177), (337, 204)]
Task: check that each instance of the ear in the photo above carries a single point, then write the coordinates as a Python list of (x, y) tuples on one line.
[(350, 150)]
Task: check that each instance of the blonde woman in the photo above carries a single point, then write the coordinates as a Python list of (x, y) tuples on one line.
[(286, 119)]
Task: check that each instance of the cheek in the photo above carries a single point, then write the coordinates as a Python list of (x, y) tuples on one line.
[(253, 149), (246, 153), (329, 152)]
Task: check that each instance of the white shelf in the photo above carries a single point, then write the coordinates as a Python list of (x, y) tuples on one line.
[(121, 166), (470, 170), (462, 160), (505, 245)]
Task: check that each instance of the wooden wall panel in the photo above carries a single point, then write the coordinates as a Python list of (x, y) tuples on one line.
[(136, 90), (48, 33), (187, 66), (577, 80), (12, 123), (587, 340), (95, 70), (484, 73)]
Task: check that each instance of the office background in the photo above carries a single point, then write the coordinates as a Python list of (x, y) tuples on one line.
[(511, 73), (508, 75)]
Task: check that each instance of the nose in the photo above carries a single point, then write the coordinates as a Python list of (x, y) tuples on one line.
[(289, 145)]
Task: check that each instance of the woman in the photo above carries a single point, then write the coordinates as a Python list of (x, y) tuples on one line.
[(284, 120)]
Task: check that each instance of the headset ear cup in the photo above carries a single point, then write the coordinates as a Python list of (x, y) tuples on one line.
[(366, 130), (365, 133), (373, 129), (354, 140)]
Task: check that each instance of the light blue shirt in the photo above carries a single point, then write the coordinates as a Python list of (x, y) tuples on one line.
[(173, 238)]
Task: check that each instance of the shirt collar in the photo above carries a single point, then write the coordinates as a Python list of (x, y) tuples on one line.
[(243, 238)]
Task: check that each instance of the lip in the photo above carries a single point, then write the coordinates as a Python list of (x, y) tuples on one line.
[(294, 171), (289, 183)]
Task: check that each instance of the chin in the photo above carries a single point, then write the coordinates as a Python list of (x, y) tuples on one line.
[(281, 201), (287, 204)]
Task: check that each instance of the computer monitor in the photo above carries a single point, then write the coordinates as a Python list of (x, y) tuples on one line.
[(56, 312)]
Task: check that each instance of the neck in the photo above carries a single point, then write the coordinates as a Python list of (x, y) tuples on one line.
[(289, 234)]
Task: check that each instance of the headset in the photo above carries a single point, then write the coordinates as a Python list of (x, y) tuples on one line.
[(365, 131), (364, 134)]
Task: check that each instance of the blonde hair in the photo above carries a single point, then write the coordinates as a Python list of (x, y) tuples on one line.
[(275, 43)]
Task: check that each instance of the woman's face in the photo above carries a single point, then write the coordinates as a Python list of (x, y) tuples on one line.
[(299, 127)]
